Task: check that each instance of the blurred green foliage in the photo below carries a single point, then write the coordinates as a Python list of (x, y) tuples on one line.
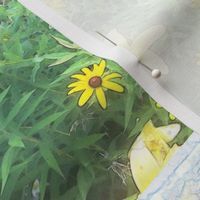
[(75, 153)]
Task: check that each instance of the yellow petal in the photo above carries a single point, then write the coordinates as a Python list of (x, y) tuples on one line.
[(76, 84), (102, 64), (111, 76), (154, 142), (80, 77), (85, 96), (112, 86), (149, 154), (144, 166), (101, 97), (86, 71), (77, 89), (99, 69)]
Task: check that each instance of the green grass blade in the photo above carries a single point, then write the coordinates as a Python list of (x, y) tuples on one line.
[(32, 107), (86, 141), (43, 183), (143, 117), (70, 194), (66, 43), (54, 56), (13, 113), (130, 100), (11, 183), (49, 158), (45, 122), (85, 179), (3, 94), (15, 64), (133, 197), (83, 62), (6, 165), (66, 58), (16, 141), (34, 71)]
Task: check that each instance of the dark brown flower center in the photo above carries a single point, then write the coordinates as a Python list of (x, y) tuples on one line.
[(95, 81)]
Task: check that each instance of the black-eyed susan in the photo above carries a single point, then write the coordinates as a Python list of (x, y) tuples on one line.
[(94, 82)]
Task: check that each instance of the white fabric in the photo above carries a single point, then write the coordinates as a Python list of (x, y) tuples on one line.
[(177, 47)]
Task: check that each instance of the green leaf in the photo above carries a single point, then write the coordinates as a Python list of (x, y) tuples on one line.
[(43, 183), (54, 186), (14, 177), (66, 43), (15, 10), (16, 141), (63, 60), (84, 62), (34, 71), (143, 117), (182, 136), (85, 141), (15, 52), (70, 194), (3, 94), (133, 197), (3, 13), (7, 161), (11, 183), (17, 107), (49, 158), (4, 65), (31, 108), (53, 56), (43, 44), (130, 100), (85, 179), (45, 122)]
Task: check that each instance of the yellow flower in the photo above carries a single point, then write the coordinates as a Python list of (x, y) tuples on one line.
[(94, 81), (151, 152)]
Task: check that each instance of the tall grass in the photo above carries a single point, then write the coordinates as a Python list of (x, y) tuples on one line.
[(50, 148)]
